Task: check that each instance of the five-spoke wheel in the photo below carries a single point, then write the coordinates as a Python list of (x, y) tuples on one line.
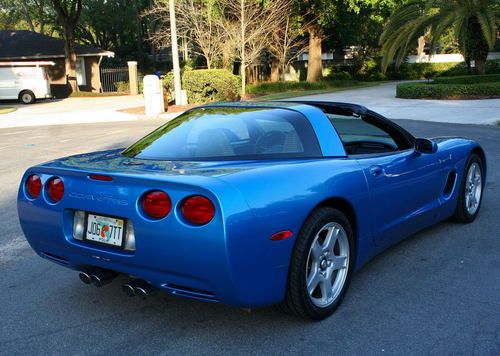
[(321, 265), (471, 190), (327, 264)]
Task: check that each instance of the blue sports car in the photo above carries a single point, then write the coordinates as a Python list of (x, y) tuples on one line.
[(249, 204)]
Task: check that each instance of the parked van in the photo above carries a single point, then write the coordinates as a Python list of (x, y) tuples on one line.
[(23, 82)]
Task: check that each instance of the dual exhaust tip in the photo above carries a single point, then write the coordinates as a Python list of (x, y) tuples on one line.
[(140, 288), (98, 278), (101, 277)]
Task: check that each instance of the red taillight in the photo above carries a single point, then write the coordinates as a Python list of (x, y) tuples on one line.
[(198, 210), (156, 204), (55, 189), (282, 235), (34, 186)]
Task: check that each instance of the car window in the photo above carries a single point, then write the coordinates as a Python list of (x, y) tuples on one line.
[(361, 137), (230, 133)]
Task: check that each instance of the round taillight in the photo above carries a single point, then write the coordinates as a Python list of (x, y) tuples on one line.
[(198, 210), (156, 204), (55, 189), (34, 186)]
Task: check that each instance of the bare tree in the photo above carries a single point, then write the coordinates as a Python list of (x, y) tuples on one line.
[(159, 31), (249, 24), (199, 20), (287, 42), (195, 20), (36, 14), (68, 14)]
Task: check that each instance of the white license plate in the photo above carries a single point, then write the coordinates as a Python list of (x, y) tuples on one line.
[(105, 229)]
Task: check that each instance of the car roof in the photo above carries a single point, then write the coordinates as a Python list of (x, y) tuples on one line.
[(297, 105)]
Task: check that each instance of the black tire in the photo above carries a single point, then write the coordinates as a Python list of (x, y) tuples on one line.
[(298, 301), (462, 215), (27, 97)]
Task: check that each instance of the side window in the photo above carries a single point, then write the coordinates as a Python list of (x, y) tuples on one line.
[(361, 137)]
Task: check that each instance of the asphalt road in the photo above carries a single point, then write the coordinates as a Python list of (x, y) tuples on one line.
[(437, 292)]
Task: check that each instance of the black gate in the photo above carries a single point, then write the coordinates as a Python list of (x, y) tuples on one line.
[(115, 80)]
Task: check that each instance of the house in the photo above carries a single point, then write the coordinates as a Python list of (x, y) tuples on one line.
[(25, 46)]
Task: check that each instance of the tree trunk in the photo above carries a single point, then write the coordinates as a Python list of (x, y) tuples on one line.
[(315, 63), (475, 46), (243, 49), (421, 46), (70, 57), (480, 66), (275, 70)]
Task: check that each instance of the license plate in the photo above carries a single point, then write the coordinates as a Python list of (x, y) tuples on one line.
[(105, 229)]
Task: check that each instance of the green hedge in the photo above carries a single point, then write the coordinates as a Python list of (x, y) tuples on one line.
[(414, 71), (278, 87), (448, 91), (207, 85), (468, 79)]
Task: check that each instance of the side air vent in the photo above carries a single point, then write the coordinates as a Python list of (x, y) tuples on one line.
[(450, 183)]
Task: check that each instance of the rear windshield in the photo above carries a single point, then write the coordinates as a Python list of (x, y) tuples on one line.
[(225, 133)]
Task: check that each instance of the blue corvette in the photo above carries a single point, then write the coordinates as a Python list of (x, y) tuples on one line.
[(249, 204)]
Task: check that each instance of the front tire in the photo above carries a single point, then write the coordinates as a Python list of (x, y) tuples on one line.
[(321, 266), (471, 191), (27, 97)]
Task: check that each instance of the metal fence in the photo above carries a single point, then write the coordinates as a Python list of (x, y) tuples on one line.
[(114, 79)]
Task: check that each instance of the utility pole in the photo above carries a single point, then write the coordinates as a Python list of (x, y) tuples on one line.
[(175, 54)]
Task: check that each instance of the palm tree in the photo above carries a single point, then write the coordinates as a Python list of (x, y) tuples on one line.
[(475, 23)]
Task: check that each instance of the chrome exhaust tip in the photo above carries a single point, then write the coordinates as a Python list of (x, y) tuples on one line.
[(139, 288), (85, 277), (128, 289), (102, 277), (145, 291)]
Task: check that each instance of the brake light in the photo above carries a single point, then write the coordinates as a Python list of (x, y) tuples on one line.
[(156, 204), (198, 210), (55, 189), (34, 186)]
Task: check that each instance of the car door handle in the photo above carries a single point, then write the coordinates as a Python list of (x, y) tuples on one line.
[(376, 170)]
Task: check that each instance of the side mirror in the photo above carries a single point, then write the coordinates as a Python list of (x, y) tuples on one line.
[(423, 145)]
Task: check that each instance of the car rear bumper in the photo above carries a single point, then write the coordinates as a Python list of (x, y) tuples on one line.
[(199, 267)]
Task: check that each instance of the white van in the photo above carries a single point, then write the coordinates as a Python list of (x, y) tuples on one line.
[(23, 82)]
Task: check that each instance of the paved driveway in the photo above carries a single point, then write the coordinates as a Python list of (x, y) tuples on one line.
[(70, 111), (437, 292), (382, 99)]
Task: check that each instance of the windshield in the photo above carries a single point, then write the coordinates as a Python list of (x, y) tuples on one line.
[(229, 133)]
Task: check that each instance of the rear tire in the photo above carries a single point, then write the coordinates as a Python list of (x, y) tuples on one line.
[(321, 265), (27, 97), (471, 191)]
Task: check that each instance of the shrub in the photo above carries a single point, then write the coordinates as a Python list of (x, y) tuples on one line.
[(207, 85), (468, 79), (414, 71), (448, 91), (339, 76), (122, 87), (278, 87), (167, 80)]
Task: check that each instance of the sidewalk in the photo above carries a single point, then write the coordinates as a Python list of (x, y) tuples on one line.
[(73, 111)]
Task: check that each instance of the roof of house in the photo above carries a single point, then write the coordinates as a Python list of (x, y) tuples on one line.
[(32, 45)]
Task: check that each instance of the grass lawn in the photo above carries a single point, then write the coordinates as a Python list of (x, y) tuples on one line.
[(324, 87), (6, 110)]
